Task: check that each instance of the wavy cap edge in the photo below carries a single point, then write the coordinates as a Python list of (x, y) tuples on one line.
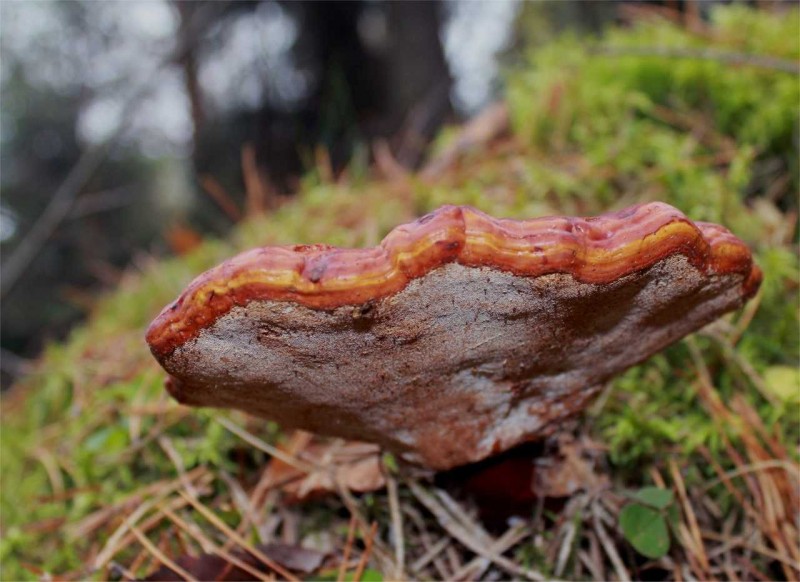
[(597, 250)]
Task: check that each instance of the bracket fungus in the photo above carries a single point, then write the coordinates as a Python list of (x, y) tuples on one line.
[(459, 336)]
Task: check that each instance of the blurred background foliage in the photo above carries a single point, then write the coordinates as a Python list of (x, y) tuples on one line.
[(698, 108), (171, 92)]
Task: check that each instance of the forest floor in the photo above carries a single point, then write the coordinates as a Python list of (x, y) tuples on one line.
[(686, 467)]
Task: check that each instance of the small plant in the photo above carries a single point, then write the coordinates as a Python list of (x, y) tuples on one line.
[(644, 521)]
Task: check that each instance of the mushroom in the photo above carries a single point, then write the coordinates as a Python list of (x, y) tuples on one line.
[(459, 336)]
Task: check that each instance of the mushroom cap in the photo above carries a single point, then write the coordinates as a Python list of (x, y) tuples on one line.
[(459, 336)]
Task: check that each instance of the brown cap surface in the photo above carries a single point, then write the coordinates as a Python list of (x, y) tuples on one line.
[(459, 336)]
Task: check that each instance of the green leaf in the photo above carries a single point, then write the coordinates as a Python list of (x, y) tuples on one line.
[(783, 382), (674, 518), (654, 497), (645, 529), (368, 575), (371, 575), (390, 462), (108, 439)]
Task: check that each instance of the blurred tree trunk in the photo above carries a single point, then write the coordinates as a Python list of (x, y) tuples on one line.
[(376, 70), (419, 82), (381, 73), (188, 63)]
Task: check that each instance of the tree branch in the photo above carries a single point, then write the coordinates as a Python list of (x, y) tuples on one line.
[(729, 58), (62, 201)]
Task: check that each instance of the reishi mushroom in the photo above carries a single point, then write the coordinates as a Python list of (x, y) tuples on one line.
[(459, 336)]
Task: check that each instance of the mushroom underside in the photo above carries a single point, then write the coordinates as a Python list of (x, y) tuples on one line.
[(462, 363)]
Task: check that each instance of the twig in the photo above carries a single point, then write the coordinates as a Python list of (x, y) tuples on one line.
[(754, 467), (351, 532), (256, 192), (481, 545), (48, 461), (126, 573), (204, 541), (608, 545), (432, 552), (752, 573), (566, 548), (381, 553), (457, 512), (397, 526), (362, 563), (214, 189), (434, 549), (171, 416), (265, 494), (420, 123), (509, 539), (728, 58), (705, 384), (490, 123), (158, 553), (453, 558), (61, 203), (63, 199), (112, 544), (98, 202), (242, 502), (122, 537), (758, 548), (210, 516), (747, 316), (591, 559), (744, 365), (166, 444), (268, 448), (693, 530)]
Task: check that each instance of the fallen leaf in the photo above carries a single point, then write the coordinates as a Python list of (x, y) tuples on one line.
[(569, 470), (646, 529), (355, 465)]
